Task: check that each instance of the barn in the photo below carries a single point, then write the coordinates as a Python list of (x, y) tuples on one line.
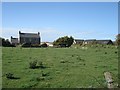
[(89, 41), (106, 42)]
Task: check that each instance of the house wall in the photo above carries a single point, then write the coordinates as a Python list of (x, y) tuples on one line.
[(29, 38), (14, 41)]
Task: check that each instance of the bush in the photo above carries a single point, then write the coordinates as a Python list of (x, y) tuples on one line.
[(40, 64), (44, 45), (33, 64), (105, 52), (9, 76), (64, 41), (5, 43), (35, 45), (45, 74), (26, 45), (116, 52), (62, 61)]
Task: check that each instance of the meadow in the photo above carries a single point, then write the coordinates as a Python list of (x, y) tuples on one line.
[(64, 67)]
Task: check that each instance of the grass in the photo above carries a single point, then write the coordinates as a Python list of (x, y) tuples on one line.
[(65, 67)]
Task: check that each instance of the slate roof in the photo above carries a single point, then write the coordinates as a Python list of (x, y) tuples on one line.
[(89, 40), (32, 35), (104, 41), (78, 39)]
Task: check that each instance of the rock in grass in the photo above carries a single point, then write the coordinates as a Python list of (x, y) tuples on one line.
[(109, 79)]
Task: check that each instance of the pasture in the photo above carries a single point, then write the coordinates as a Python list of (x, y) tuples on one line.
[(64, 67)]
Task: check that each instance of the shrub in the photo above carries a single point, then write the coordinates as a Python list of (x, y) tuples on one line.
[(62, 61), (40, 78), (115, 52), (79, 58), (105, 52), (72, 55), (104, 47), (44, 74), (33, 64), (64, 41), (26, 45), (40, 64), (44, 45), (9, 76)]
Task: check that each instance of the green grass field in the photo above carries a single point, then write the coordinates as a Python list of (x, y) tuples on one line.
[(65, 67)]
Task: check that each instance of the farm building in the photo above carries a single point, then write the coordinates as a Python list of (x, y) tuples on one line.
[(78, 41), (50, 44), (33, 38), (14, 41), (89, 41), (104, 42)]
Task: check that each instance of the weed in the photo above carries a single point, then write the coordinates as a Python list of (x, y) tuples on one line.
[(9, 76), (105, 52), (44, 74), (33, 64), (62, 61), (116, 52), (78, 58)]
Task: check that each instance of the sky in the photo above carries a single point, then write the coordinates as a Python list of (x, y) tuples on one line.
[(82, 20)]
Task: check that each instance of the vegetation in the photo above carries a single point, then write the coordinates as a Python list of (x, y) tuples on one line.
[(33, 64), (118, 39), (5, 43), (26, 45), (44, 45), (65, 67), (32, 45), (64, 41), (9, 76)]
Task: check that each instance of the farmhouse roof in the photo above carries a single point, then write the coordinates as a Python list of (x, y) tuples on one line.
[(78, 39), (13, 38), (29, 35), (90, 40), (103, 41)]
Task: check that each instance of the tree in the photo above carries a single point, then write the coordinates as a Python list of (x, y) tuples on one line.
[(118, 39), (64, 41), (5, 43)]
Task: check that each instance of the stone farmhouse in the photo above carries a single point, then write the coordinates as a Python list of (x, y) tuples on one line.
[(14, 41), (33, 38)]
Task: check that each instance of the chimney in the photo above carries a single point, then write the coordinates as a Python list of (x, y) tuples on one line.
[(19, 32), (38, 33)]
